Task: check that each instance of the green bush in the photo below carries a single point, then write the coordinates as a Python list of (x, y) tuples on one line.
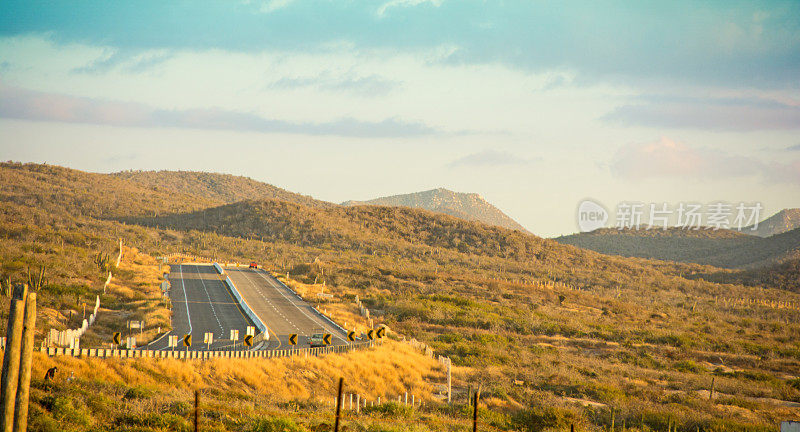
[(178, 408), (275, 424), (137, 392), (153, 420), (67, 410), (390, 409), (538, 418), (687, 366)]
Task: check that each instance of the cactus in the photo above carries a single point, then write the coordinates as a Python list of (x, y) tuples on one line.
[(102, 261), (36, 283), (7, 288)]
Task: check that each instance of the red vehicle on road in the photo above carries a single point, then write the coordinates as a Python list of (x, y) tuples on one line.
[(253, 265)]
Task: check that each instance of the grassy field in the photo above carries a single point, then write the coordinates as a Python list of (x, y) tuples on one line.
[(237, 394), (554, 335)]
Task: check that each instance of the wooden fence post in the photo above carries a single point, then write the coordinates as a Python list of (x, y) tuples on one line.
[(11, 358), (338, 405), (26, 359), (196, 410), (475, 412)]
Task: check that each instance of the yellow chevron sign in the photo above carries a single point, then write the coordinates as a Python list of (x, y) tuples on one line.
[(248, 340), (117, 338), (327, 339), (351, 336), (187, 340), (293, 339)]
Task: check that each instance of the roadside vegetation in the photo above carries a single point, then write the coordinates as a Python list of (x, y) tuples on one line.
[(552, 334)]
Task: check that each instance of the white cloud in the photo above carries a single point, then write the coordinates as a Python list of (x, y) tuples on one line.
[(490, 158), (405, 3), (666, 158), (273, 5)]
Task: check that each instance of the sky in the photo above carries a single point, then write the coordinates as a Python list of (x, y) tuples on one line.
[(535, 105)]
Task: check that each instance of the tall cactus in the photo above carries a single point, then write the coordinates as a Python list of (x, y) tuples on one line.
[(36, 283), (102, 261), (7, 288)]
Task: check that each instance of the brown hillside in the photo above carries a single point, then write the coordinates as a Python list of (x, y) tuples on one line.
[(221, 188), (467, 206)]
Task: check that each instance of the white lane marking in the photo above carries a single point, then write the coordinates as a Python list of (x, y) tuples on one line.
[(261, 293), (186, 298), (313, 319), (188, 317), (213, 310)]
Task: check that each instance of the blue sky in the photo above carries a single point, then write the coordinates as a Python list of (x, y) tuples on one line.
[(534, 105)]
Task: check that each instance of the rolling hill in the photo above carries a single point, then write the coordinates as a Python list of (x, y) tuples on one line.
[(60, 190), (721, 248), (643, 337), (784, 220), (467, 206), (220, 188)]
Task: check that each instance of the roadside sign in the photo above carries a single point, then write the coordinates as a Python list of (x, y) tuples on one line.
[(371, 334), (173, 341), (293, 339), (187, 340), (130, 342), (381, 332), (117, 338), (234, 335), (208, 339), (248, 340), (251, 331), (135, 324), (351, 336), (327, 339)]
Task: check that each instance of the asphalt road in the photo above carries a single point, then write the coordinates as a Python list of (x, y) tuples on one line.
[(202, 303), (281, 310)]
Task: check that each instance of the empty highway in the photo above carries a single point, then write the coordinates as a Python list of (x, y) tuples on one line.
[(280, 309), (202, 303)]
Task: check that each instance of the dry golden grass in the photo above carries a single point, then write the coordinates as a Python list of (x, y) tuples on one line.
[(385, 371), (133, 294)]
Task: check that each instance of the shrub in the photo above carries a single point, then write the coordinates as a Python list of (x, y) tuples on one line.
[(275, 424), (137, 392), (390, 409), (538, 418), (153, 420), (687, 366)]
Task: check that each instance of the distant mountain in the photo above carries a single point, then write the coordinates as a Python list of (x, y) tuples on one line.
[(467, 206), (221, 188), (721, 248), (784, 220)]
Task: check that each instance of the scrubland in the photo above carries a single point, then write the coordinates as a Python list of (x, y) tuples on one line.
[(552, 334)]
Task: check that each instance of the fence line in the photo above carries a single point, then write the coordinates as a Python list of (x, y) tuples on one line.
[(72, 337), (204, 355)]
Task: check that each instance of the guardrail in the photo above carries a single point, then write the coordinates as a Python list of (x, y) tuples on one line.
[(204, 355), (219, 269), (245, 307)]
